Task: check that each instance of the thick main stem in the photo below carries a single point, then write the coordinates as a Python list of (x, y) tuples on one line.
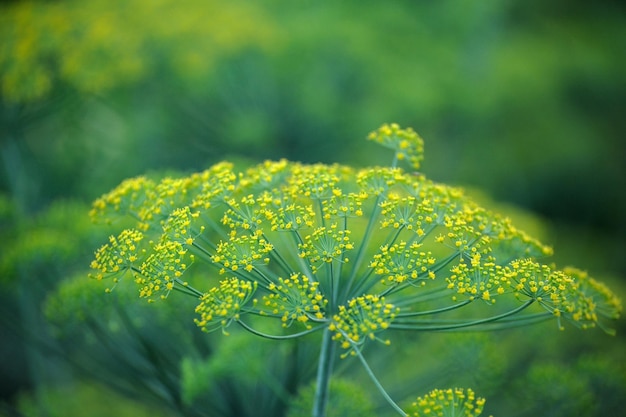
[(324, 371)]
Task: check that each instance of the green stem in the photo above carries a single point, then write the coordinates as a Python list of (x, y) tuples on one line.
[(187, 289), (276, 337), (435, 311), (364, 243), (333, 285), (278, 257), (376, 382), (306, 266), (452, 326), (202, 251), (324, 371)]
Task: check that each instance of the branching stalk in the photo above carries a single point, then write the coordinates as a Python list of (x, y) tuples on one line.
[(324, 371)]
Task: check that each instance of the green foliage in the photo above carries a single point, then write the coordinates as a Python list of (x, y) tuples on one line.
[(251, 368), (553, 390), (606, 380), (75, 400), (348, 399), (75, 300), (48, 242)]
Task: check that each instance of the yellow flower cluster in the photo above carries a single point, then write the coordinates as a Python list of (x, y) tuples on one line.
[(216, 186), (360, 319), (117, 256), (250, 211), (377, 181), (290, 216), (223, 304), (407, 144), (569, 294), (242, 252), (347, 239), (324, 245), (162, 269), (178, 226), (457, 402), (129, 197), (317, 182), (401, 262), (295, 299), (403, 212), (479, 279), (265, 176), (612, 304), (340, 205)]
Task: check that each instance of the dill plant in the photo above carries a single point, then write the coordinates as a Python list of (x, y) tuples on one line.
[(286, 249)]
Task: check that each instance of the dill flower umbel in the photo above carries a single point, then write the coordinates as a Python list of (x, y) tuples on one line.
[(351, 253), (448, 403)]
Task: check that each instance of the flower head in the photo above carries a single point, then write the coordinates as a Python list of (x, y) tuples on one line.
[(401, 262), (407, 144), (127, 198), (362, 318), (447, 403), (118, 256), (295, 299), (478, 278), (242, 252), (324, 245), (163, 268), (222, 305)]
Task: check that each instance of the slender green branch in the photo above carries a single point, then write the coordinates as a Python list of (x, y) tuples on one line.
[(333, 285), (423, 296), (395, 234), (340, 266), (435, 311), (277, 337), (279, 258), (361, 287), (203, 252), (187, 289), (216, 227), (511, 323), (394, 163), (320, 208), (261, 275), (374, 379), (306, 266), (364, 243), (409, 326)]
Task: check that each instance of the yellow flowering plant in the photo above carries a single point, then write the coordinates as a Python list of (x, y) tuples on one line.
[(284, 249), (99, 46)]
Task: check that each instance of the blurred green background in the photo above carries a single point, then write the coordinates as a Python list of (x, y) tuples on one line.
[(522, 100)]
